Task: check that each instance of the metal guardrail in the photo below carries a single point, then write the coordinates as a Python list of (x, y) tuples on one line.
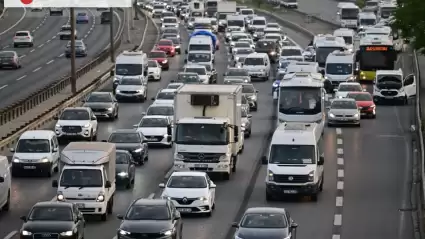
[(20, 107), (48, 116)]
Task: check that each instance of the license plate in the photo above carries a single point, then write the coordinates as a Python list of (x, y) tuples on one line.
[(71, 133), (81, 205), (184, 209), (152, 139), (388, 97), (29, 167), (5, 63), (290, 191), (201, 165)]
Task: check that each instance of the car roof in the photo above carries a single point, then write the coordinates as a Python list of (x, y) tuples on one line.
[(168, 90), (155, 117), (188, 173), (344, 99), (151, 202), (53, 203), (37, 134), (124, 131), (350, 83), (265, 210)]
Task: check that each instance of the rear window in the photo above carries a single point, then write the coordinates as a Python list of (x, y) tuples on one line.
[(22, 34)]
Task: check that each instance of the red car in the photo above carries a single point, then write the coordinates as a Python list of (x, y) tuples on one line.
[(161, 58), (167, 46), (365, 102)]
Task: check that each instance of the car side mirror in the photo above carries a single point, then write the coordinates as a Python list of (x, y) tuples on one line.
[(169, 130), (56, 118), (212, 185), (112, 73), (256, 91), (55, 150), (264, 160), (161, 185), (93, 118), (185, 51), (235, 225), (55, 183), (108, 184), (121, 217), (80, 217), (153, 98), (321, 160), (143, 113), (177, 215), (249, 116), (294, 225), (12, 150), (23, 218), (1, 179)]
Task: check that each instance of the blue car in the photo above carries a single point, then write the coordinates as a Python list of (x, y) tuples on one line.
[(82, 17)]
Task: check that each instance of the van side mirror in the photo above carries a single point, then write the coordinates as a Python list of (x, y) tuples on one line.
[(249, 116), (108, 184), (321, 160), (93, 118), (294, 225), (235, 225), (55, 150), (23, 218), (177, 215), (322, 72), (264, 160), (112, 73), (1, 179), (55, 183)]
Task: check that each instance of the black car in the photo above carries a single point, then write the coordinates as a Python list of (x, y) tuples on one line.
[(9, 59), (105, 17), (266, 222), (103, 104), (53, 220), (271, 47), (125, 168), (151, 218), (133, 142)]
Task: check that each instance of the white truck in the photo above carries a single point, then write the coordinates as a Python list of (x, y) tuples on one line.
[(88, 177), (207, 133), (224, 9)]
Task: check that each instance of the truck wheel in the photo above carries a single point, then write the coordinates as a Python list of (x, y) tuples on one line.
[(321, 184), (110, 207)]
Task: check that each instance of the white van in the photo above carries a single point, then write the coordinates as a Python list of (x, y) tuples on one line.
[(366, 19), (295, 161), (200, 43), (258, 65), (340, 67), (257, 23), (348, 36), (311, 67), (5, 184), (130, 64), (389, 85), (36, 150)]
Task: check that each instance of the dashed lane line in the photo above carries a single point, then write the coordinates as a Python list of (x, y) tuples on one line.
[(339, 199), (33, 50), (11, 235), (3, 86), (50, 62), (36, 69), (22, 77)]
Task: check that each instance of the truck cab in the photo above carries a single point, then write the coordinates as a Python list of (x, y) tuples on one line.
[(88, 177)]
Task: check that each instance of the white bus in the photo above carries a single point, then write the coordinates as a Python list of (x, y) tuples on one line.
[(347, 14)]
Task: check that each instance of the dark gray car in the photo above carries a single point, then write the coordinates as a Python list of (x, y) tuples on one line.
[(251, 94), (103, 104), (80, 49), (266, 222), (133, 142), (125, 168)]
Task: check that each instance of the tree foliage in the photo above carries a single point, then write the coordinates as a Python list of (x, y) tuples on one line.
[(360, 3), (410, 19)]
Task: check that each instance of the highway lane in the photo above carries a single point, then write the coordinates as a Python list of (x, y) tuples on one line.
[(324, 9), (11, 18), (46, 58)]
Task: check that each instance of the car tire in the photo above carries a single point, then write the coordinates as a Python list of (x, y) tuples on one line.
[(235, 161), (50, 172), (269, 197), (6, 206), (226, 176)]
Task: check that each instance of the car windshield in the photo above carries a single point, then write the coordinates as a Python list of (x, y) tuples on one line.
[(199, 57), (201, 134), (272, 37), (165, 95), (242, 44), (292, 154), (81, 178), (33, 146), (339, 68), (75, 115), (154, 122), (264, 220), (253, 61), (187, 182), (200, 71), (124, 138), (360, 97), (130, 81), (265, 45), (77, 44), (349, 88), (174, 86), (188, 78), (244, 51), (148, 212), (122, 158), (99, 98), (157, 54), (128, 69), (237, 72), (291, 52), (82, 14), (7, 54), (248, 89), (50, 213), (247, 12), (160, 110), (169, 20), (165, 43), (343, 104), (259, 22), (171, 30), (152, 64)]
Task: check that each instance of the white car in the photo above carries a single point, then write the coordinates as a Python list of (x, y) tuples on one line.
[(347, 87), (156, 129), (23, 38), (165, 96), (154, 70), (201, 70), (190, 192), (161, 109), (5, 184), (174, 85), (76, 123)]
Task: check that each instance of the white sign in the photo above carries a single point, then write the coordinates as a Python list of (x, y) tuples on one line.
[(67, 3)]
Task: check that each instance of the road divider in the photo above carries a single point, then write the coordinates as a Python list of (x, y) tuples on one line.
[(71, 101)]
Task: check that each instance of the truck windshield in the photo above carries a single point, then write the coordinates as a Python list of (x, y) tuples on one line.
[(339, 68), (201, 134), (292, 154), (81, 178), (300, 100)]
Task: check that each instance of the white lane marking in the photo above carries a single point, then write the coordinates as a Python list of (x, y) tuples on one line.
[(22, 56), (340, 161), (339, 201), (16, 23), (37, 69), (33, 50), (338, 131), (40, 46), (54, 37), (336, 237), (339, 198), (340, 185), (22, 77), (339, 151), (48, 41), (3, 86), (49, 62), (338, 141), (10, 235), (151, 196), (340, 173), (61, 55), (338, 220), (7, 46)]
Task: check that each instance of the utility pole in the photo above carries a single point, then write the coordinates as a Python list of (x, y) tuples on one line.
[(136, 17), (111, 35), (73, 68)]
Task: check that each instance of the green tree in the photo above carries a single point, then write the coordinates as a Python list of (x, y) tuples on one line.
[(410, 20), (360, 3)]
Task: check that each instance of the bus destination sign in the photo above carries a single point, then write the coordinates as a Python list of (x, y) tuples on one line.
[(377, 48)]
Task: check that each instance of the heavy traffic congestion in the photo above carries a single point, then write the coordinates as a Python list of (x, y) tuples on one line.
[(241, 77)]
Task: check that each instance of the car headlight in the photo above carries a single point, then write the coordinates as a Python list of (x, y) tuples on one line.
[(117, 91), (243, 124), (178, 157), (203, 199), (16, 160), (137, 150), (60, 197), (166, 197), (270, 175), (331, 115), (255, 35), (109, 109), (123, 174), (86, 125), (263, 70), (224, 158), (164, 61), (44, 160), (356, 115), (311, 176), (237, 58), (167, 232), (67, 233), (273, 53), (253, 97), (26, 233), (58, 126), (122, 232), (100, 198)]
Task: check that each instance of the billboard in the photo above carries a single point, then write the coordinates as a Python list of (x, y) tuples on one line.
[(67, 3)]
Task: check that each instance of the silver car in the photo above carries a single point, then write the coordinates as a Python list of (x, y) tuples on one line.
[(103, 104), (245, 104), (241, 53), (251, 94), (344, 111), (234, 81), (239, 45), (237, 73), (156, 129), (131, 88), (246, 123)]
